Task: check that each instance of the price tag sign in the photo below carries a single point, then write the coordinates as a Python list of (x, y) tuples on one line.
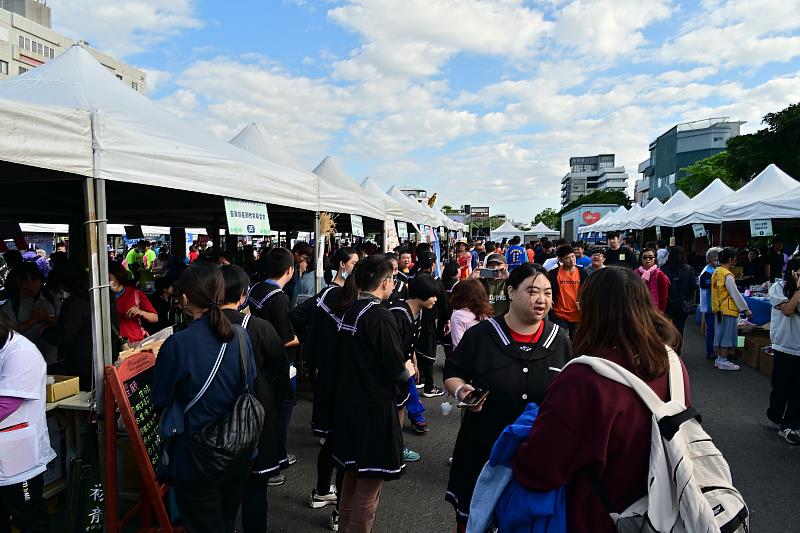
[(402, 230), (246, 218), (658, 231), (357, 225), (761, 227), (699, 230)]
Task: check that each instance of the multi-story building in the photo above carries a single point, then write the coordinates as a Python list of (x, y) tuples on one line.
[(679, 147), (27, 41), (418, 195), (589, 174), (641, 191)]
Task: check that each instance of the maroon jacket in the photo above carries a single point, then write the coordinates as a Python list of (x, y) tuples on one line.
[(588, 423)]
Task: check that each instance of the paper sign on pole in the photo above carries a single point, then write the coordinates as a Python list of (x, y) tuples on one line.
[(390, 230), (246, 218), (699, 230), (402, 230), (658, 231), (761, 227), (357, 225)]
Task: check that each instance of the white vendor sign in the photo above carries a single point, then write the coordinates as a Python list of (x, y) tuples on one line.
[(761, 227), (246, 218)]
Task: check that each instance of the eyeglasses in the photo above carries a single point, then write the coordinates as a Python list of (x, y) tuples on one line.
[(648, 257)]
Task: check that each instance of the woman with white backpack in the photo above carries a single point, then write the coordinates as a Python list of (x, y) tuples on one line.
[(591, 429)]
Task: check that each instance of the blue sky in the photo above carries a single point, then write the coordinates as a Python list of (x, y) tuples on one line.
[(482, 102)]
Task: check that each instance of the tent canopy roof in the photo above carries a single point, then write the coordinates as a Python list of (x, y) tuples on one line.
[(542, 229), (139, 141)]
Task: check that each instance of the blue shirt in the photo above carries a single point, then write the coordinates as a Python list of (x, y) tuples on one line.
[(583, 261), (705, 289), (182, 367), (515, 256)]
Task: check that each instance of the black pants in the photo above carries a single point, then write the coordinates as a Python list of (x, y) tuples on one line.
[(569, 326), (255, 504), (23, 506), (426, 369), (784, 401), (210, 505), (325, 468), (678, 318)]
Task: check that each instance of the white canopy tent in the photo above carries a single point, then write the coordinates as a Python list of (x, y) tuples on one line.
[(597, 226), (612, 222), (541, 230), (769, 183), (623, 222), (698, 204), (635, 219), (424, 216), (393, 208), (675, 202), (780, 206), (341, 194), (137, 140), (506, 230)]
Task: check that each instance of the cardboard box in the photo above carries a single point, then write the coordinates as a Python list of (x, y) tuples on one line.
[(752, 350), (64, 387), (765, 363)]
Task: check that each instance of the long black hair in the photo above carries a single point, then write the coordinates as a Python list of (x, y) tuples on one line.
[(342, 255), (204, 287), (6, 331), (676, 259), (789, 285)]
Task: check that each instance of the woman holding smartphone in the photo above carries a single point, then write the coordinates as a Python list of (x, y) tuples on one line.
[(511, 359), (133, 306)]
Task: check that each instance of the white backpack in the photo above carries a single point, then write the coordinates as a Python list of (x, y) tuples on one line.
[(690, 486)]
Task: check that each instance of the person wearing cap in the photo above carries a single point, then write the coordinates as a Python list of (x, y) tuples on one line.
[(598, 257), (495, 286)]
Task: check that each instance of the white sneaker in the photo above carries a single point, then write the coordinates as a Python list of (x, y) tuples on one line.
[(724, 364), (318, 501), (792, 436)]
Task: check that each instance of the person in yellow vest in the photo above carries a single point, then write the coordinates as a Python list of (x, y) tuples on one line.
[(726, 304)]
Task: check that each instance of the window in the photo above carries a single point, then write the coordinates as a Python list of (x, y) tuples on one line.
[(3, 67), (52, 53), (22, 70), (659, 182), (34, 46), (134, 86), (40, 49), (119, 77), (27, 44), (672, 178), (47, 51), (21, 41), (718, 139)]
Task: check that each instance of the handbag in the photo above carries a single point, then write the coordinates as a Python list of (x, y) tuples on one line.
[(227, 441)]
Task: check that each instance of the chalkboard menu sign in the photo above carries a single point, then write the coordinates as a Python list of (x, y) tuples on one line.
[(130, 384)]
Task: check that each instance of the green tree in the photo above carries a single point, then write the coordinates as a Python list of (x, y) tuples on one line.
[(778, 143), (701, 173), (550, 217)]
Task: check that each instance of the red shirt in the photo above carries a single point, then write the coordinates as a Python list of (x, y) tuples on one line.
[(529, 339), (131, 328), (590, 423)]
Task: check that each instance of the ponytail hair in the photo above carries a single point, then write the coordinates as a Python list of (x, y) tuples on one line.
[(348, 294), (204, 288)]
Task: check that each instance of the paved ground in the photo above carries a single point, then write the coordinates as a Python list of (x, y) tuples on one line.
[(765, 469)]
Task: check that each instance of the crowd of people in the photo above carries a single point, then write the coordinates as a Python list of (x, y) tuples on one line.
[(509, 316)]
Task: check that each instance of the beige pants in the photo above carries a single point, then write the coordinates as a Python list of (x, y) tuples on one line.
[(358, 503)]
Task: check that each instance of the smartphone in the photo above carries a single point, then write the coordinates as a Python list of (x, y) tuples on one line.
[(473, 398), (488, 273)]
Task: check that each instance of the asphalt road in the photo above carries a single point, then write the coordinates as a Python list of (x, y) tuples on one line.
[(766, 469)]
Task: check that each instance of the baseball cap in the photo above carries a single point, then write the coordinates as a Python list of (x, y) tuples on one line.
[(496, 258)]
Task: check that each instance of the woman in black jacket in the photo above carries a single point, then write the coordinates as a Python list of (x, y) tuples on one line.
[(513, 357), (682, 288)]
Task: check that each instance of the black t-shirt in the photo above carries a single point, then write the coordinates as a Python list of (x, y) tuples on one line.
[(776, 262), (623, 256), (757, 270), (268, 302)]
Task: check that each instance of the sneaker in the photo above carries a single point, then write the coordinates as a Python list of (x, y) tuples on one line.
[(275, 481), (420, 385), (792, 436), (450, 461), (420, 428), (318, 501), (291, 459), (410, 456), (434, 392), (724, 364), (333, 521)]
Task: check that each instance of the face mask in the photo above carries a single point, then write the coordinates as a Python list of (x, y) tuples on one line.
[(345, 274)]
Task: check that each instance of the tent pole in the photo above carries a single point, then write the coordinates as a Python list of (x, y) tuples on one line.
[(720, 232)]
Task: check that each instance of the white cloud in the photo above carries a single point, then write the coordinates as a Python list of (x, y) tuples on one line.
[(123, 27), (607, 28), (415, 37), (156, 78)]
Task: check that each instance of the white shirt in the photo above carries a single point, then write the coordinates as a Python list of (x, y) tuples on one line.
[(784, 331), (550, 264), (24, 453), (661, 256)]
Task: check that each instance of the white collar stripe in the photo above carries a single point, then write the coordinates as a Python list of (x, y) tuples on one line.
[(551, 337), (500, 331)]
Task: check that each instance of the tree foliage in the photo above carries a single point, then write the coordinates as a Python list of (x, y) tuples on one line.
[(598, 197), (550, 217), (747, 155)]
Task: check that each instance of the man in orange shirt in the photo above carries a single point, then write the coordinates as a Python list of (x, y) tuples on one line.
[(566, 281)]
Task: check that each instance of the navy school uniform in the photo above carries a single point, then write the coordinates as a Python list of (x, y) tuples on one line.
[(271, 388), (515, 374), (370, 373), (408, 327), (269, 302), (184, 363)]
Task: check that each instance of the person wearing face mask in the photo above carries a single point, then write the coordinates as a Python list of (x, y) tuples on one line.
[(371, 371), (29, 311), (512, 358), (133, 306)]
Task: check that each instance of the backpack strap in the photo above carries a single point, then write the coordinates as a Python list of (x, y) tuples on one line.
[(210, 378), (659, 408)]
